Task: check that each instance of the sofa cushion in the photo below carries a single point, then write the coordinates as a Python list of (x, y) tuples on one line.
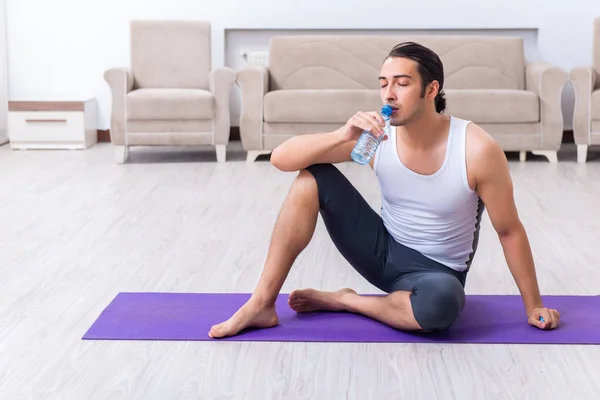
[(595, 110), (318, 106), (493, 106), (354, 61), (169, 104), (337, 106)]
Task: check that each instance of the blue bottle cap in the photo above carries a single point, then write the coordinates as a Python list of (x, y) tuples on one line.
[(387, 110)]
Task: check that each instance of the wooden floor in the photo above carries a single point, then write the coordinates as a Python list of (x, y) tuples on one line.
[(75, 229)]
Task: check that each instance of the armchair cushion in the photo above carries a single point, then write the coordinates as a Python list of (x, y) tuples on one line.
[(318, 106), (170, 54), (493, 105), (170, 104), (595, 105)]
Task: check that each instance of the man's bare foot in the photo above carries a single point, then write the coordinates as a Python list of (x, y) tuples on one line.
[(309, 300), (250, 315)]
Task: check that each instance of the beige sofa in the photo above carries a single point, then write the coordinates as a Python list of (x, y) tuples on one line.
[(316, 83), (586, 116), (170, 96)]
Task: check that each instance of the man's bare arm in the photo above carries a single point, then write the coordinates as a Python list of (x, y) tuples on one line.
[(495, 188), (304, 150)]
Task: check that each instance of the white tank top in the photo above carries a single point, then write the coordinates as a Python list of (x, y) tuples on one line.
[(437, 215)]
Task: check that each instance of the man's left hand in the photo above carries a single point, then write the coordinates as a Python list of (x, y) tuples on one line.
[(550, 317)]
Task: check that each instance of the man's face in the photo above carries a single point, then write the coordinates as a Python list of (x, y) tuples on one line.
[(400, 84)]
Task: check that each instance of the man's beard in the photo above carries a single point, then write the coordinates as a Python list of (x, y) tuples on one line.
[(400, 121), (406, 119)]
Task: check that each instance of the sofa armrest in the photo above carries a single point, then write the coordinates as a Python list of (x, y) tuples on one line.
[(583, 80), (220, 82), (253, 81), (548, 81), (120, 81)]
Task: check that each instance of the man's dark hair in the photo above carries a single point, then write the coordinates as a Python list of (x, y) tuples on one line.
[(430, 68)]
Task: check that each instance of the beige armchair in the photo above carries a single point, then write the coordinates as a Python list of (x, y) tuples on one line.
[(586, 116), (316, 83), (170, 96)]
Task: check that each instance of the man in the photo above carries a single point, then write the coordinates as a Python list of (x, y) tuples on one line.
[(436, 173)]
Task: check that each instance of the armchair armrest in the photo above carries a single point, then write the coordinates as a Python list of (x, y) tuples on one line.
[(120, 81), (547, 81), (583, 80), (253, 81), (220, 82)]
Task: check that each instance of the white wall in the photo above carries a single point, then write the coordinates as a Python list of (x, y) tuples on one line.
[(3, 76), (61, 48)]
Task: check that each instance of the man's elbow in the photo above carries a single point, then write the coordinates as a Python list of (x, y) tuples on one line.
[(275, 158), (279, 161), (509, 231)]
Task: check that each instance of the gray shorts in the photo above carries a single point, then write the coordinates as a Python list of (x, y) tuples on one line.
[(358, 232)]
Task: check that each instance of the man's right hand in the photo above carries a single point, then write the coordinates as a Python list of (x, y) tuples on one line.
[(363, 121)]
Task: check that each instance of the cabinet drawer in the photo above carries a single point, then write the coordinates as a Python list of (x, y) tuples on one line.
[(50, 126)]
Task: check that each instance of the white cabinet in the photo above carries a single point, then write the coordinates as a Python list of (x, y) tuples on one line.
[(48, 124)]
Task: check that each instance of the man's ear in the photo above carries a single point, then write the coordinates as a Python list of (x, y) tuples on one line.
[(433, 89)]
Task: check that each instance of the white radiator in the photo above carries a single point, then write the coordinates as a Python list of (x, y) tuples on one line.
[(257, 57)]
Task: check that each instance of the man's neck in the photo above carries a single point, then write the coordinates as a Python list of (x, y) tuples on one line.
[(424, 133)]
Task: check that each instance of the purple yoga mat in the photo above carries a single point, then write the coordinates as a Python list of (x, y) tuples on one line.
[(485, 319)]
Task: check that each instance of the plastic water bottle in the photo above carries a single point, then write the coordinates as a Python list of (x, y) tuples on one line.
[(367, 142)]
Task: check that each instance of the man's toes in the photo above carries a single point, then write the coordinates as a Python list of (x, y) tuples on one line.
[(298, 307), (216, 330)]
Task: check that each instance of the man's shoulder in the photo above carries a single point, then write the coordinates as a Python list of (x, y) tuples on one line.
[(483, 153), (480, 144), (479, 141)]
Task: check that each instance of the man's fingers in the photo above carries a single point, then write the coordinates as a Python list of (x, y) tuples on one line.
[(548, 318), (555, 318), (544, 318), (371, 123), (378, 118), (363, 124), (541, 322), (545, 314), (538, 320), (374, 124)]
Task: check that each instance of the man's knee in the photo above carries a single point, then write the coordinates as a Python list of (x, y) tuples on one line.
[(314, 177), (305, 181), (304, 191), (304, 176), (437, 302), (321, 172)]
